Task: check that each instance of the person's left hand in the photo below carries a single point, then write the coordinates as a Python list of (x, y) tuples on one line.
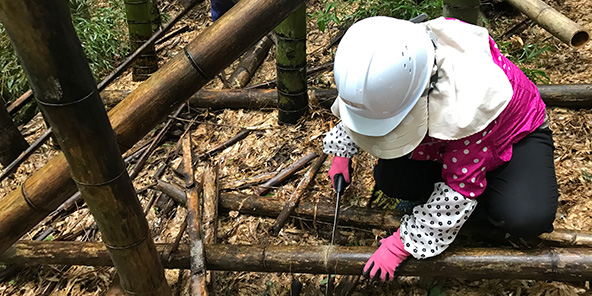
[(386, 258)]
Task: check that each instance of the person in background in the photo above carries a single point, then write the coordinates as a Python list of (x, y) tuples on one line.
[(454, 124), (220, 7)]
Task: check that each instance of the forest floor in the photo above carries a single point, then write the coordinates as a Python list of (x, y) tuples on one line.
[(274, 147)]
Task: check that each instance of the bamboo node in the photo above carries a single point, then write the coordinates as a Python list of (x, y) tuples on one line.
[(195, 65), (100, 183), (30, 203), (132, 245), (293, 94), (67, 103)]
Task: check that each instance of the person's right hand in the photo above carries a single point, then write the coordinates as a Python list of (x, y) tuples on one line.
[(340, 165)]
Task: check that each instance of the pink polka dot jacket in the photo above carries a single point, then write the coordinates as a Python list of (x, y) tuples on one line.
[(434, 225)]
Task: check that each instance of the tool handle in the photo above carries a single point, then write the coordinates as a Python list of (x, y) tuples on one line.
[(340, 183)]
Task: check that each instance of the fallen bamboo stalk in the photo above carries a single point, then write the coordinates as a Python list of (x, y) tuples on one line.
[(250, 63), (553, 21), (353, 216), (240, 184), (148, 105), (285, 173), (292, 203), (554, 95), (566, 264), (210, 214), (194, 216), (239, 136)]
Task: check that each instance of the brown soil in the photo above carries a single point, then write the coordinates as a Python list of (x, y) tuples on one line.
[(274, 147)]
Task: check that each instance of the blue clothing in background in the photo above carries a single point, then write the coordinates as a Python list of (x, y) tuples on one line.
[(219, 7)]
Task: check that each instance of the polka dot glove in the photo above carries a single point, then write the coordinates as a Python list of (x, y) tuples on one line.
[(340, 165), (386, 258)]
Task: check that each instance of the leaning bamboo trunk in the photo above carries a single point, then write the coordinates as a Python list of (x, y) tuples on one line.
[(12, 142), (465, 10), (139, 22), (553, 21), (42, 34), (148, 105), (291, 67), (474, 263)]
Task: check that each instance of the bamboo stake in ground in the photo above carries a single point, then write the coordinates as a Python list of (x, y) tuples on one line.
[(139, 22), (147, 105), (466, 10), (210, 214), (557, 264), (42, 35), (295, 198), (291, 67), (285, 173), (12, 142), (198, 271), (252, 60), (553, 21)]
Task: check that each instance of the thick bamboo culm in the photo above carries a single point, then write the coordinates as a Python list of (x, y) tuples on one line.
[(553, 21), (140, 26), (148, 105), (566, 264), (250, 62), (12, 142), (67, 94), (291, 67), (465, 10)]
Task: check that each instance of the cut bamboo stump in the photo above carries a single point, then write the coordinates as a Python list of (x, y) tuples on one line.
[(148, 105), (553, 21), (291, 67), (564, 264)]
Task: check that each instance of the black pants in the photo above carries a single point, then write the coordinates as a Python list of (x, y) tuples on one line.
[(521, 195)]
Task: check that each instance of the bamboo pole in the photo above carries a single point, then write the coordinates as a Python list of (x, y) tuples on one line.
[(210, 214), (147, 105), (194, 216), (67, 94), (553, 21), (140, 21), (250, 63), (567, 264), (12, 142), (291, 67), (294, 199), (554, 95), (285, 173), (465, 10)]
